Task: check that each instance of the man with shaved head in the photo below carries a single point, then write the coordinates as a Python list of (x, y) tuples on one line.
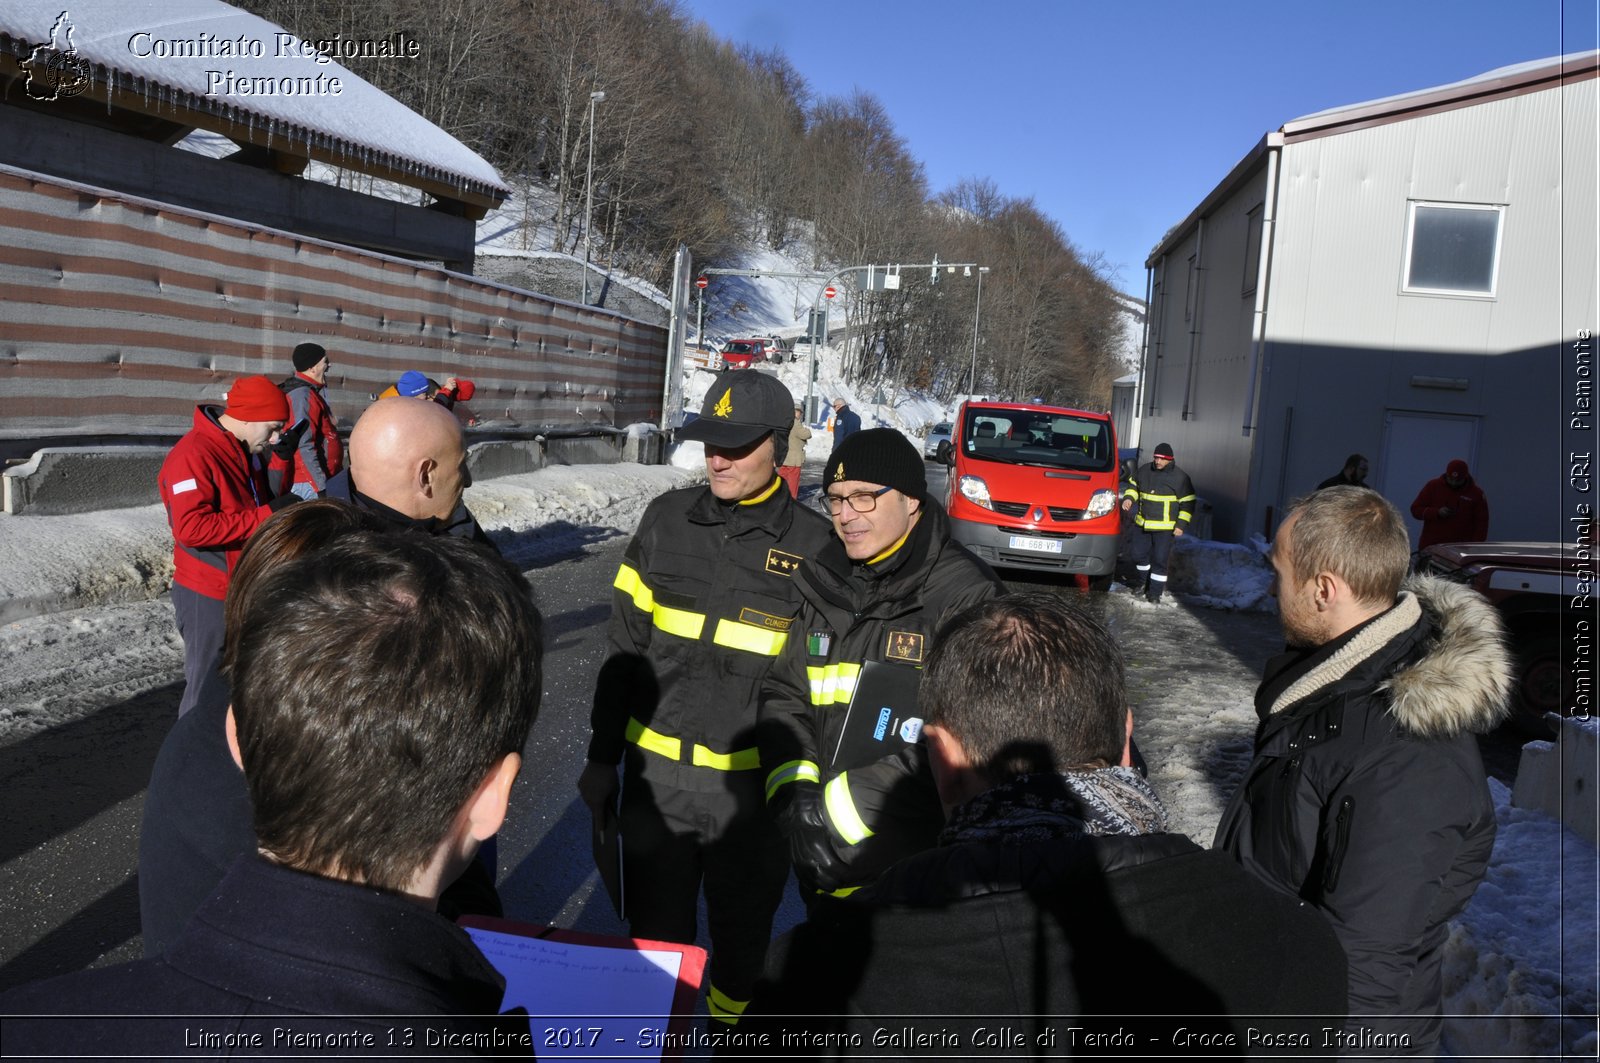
[(408, 464)]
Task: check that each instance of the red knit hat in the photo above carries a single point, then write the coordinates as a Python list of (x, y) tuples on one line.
[(255, 398)]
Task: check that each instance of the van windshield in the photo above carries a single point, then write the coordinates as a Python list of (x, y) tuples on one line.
[(1037, 437)]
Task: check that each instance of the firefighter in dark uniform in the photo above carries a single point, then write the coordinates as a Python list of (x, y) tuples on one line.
[(705, 601), (878, 593), (1161, 498)]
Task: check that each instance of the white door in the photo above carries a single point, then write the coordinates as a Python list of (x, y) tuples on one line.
[(1416, 448)]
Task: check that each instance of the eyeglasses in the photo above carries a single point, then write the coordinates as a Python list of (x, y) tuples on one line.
[(861, 501)]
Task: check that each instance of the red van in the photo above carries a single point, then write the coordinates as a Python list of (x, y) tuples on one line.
[(1035, 486)]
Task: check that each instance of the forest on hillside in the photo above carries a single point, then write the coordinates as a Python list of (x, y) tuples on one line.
[(716, 146)]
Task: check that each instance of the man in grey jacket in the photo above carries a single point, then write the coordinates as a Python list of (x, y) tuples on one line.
[(1367, 796)]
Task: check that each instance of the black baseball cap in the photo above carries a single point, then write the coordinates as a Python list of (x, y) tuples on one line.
[(741, 406)]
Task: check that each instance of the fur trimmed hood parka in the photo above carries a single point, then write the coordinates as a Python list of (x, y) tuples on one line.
[(1367, 796)]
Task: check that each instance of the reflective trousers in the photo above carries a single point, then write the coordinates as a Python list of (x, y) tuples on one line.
[(676, 842), (1150, 552)]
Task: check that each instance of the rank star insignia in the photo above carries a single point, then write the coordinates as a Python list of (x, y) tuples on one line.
[(905, 646), (724, 406), (782, 564)]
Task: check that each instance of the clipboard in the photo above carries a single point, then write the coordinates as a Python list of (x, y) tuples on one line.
[(882, 717), (599, 990)]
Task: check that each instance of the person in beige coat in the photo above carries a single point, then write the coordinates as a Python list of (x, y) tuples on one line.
[(796, 454)]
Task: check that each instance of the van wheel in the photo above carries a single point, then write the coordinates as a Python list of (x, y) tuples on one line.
[(1539, 682), (1100, 584)]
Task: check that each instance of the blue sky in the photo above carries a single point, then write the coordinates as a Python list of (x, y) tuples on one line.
[(1117, 118)]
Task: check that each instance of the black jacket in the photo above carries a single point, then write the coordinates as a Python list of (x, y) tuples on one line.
[(1088, 930), (1163, 499), (705, 601), (1367, 797), (460, 523), (855, 613), (272, 949)]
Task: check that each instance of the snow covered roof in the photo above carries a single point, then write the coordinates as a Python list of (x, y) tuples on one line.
[(207, 63)]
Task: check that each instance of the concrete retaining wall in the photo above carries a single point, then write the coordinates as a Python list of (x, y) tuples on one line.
[(81, 479), (1558, 778)]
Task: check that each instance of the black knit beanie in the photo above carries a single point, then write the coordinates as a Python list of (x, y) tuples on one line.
[(307, 355), (878, 456)]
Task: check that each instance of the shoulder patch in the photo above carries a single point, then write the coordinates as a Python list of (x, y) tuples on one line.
[(780, 563), (905, 646)]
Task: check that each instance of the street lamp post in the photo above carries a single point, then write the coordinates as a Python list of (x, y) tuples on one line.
[(588, 194), (977, 315)]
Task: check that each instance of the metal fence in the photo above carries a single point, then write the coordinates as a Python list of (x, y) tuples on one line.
[(118, 315)]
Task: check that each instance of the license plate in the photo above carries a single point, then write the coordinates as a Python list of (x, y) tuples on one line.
[(1048, 546)]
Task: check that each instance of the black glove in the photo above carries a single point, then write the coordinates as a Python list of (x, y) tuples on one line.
[(289, 439), (288, 498), (803, 822)]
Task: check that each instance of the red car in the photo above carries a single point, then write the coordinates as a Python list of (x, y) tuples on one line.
[(1532, 585), (742, 354)]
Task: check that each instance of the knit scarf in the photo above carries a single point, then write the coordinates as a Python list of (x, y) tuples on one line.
[(1046, 806)]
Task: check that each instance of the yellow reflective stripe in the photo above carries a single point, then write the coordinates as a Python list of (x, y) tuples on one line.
[(843, 891), (680, 622), (842, 811), (654, 741), (898, 543), (833, 684), (763, 496), (737, 635), (738, 760), (793, 771), (629, 583), (724, 1008)]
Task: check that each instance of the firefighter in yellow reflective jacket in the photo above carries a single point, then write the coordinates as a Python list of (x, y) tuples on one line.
[(705, 601), (1161, 498), (874, 598)]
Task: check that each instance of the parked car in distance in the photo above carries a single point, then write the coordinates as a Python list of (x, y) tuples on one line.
[(936, 444), (741, 354), (1529, 583), (762, 348), (1035, 487)]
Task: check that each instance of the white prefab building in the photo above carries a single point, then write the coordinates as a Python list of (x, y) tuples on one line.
[(1409, 279)]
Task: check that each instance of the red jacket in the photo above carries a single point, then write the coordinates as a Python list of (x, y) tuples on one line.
[(1468, 521), (320, 446), (216, 495)]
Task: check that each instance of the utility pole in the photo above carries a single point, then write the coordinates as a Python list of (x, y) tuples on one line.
[(977, 315), (588, 195)]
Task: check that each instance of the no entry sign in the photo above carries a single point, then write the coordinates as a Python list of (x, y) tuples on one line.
[(829, 292)]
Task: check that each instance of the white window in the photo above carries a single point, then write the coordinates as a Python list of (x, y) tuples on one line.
[(1453, 248)]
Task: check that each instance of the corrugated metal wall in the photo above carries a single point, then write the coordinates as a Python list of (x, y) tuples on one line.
[(1347, 345), (1199, 390), (117, 315)]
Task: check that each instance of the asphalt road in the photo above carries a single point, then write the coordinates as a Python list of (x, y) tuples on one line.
[(73, 795)]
